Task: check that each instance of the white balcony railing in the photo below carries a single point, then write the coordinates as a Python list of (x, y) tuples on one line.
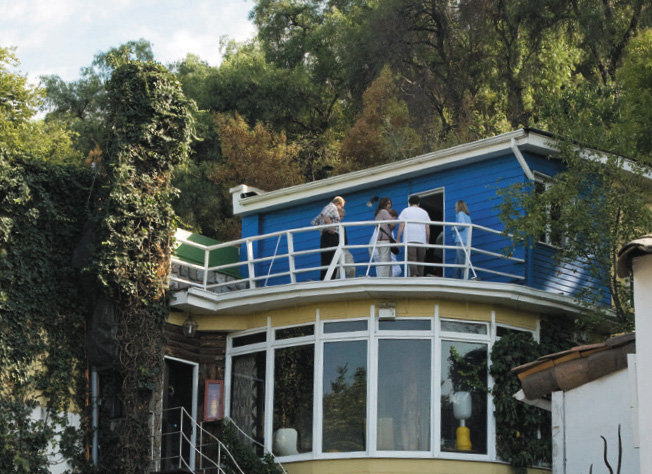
[(293, 256)]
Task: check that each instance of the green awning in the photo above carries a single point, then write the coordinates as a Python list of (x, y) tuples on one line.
[(221, 256)]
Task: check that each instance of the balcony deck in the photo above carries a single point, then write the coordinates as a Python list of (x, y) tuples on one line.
[(273, 268), (293, 256)]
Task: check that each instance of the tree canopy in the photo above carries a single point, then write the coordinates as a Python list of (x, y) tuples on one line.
[(325, 85)]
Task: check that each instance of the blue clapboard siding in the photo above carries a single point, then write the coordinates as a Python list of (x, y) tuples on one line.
[(474, 182), (568, 279)]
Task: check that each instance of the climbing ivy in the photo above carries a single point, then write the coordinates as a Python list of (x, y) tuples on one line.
[(42, 213), (523, 432), (151, 131), (245, 457)]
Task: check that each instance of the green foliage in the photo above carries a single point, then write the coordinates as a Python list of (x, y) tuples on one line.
[(523, 436), (19, 131), (635, 75), (18, 100), (82, 105), (244, 456), (41, 312), (601, 200), (345, 413), (383, 131), (468, 373), (523, 432), (151, 132)]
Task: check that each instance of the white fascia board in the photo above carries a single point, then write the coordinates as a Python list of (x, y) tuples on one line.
[(283, 296), (539, 402), (330, 187)]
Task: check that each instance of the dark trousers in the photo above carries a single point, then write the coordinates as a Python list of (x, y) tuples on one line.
[(416, 254), (327, 240)]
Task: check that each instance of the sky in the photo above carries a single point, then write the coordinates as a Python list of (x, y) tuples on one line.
[(61, 36)]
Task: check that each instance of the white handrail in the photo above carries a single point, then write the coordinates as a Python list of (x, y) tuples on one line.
[(298, 260), (195, 450)]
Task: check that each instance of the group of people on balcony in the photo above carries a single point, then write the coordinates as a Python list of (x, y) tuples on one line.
[(415, 232)]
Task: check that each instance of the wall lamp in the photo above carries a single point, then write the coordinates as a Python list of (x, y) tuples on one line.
[(372, 201), (190, 326)]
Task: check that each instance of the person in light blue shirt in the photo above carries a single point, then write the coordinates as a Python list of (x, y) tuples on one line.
[(461, 234)]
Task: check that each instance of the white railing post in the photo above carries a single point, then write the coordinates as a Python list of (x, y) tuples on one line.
[(207, 258), (467, 256), (340, 245), (250, 264), (181, 460), (293, 275)]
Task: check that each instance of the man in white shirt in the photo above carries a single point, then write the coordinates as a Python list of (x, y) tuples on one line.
[(415, 233)]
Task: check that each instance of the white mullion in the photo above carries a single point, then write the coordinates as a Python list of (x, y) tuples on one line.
[(372, 385), (491, 422), (227, 378), (269, 388), (436, 382), (317, 402)]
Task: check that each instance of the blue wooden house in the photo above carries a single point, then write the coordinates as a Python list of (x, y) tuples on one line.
[(357, 373), (472, 172)]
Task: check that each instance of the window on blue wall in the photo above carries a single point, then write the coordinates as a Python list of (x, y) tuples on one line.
[(552, 235)]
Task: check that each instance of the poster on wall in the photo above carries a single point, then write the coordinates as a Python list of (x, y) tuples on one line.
[(213, 397)]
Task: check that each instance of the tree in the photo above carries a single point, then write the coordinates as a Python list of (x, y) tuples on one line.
[(255, 156), (382, 132), (151, 133), (605, 29), (19, 131), (602, 198), (82, 104)]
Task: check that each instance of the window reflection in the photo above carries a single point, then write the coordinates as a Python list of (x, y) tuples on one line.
[(463, 397), (403, 395), (293, 396), (345, 396), (248, 396)]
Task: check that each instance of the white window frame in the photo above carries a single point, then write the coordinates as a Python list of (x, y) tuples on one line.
[(544, 180), (372, 335)]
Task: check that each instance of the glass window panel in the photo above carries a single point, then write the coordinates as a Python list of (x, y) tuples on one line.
[(464, 397), (404, 395), (465, 328), (298, 331), (345, 396), (503, 331), (345, 326), (293, 400), (405, 325), (248, 396), (249, 339)]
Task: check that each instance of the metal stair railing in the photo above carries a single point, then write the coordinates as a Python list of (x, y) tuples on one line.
[(213, 463), (265, 451), (211, 455)]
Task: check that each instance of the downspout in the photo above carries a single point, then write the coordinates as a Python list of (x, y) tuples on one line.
[(95, 414), (519, 156), (530, 176)]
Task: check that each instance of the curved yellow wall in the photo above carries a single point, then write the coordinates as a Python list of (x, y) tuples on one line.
[(293, 315), (400, 466)]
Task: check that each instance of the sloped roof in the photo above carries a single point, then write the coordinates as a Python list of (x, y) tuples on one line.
[(572, 368), (531, 140), (635, 248)]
